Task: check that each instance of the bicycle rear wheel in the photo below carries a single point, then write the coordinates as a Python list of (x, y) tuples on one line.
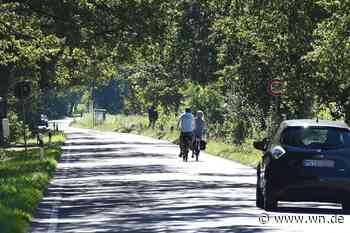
[(197, 149), (186, 149)]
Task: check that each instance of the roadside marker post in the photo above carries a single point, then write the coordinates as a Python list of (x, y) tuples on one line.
[(22, 91), (274, 89)]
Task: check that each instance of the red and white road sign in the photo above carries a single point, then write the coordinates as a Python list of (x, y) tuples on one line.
[(274, 87)]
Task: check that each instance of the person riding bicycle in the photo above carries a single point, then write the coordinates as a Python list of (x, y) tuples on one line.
[(198, 131), (186, 123), (199, 124)]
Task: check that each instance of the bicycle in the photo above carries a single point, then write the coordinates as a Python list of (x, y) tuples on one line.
[(196, 147), (185, 147)]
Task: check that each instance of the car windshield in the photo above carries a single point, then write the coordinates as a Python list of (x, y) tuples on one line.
[(316, 137)]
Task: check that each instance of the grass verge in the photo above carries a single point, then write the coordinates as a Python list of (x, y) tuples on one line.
[(23, 180), (244, 153)]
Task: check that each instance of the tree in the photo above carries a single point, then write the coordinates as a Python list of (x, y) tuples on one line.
[(331, 58)]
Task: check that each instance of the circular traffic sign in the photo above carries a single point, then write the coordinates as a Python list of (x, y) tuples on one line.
[(275, 87), (22, 89)]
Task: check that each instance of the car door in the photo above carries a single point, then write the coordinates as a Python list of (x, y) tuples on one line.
[(265, 165)]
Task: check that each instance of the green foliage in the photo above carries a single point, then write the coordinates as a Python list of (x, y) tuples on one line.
[(13, 221), (207, 99), (217, 56), (24, 179), (64, 44), (111, 96), (151, 85), (330, 57), (16, 127)]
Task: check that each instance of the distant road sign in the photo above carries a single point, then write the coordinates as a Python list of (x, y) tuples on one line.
[(275, 87), (23, 89)]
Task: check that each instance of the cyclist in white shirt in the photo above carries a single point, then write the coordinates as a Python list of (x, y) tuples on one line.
[(186, 123)]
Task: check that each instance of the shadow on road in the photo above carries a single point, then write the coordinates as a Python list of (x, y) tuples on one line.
[(94, 192), (100, 143), (149, 206)]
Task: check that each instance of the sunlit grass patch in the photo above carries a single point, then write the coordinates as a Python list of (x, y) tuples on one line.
[(244, 153), (24, 177), (57, 138)]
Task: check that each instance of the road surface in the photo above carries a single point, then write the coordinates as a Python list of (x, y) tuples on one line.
[(111, 182)]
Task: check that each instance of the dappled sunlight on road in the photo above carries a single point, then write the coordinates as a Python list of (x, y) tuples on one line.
[(122, 183)]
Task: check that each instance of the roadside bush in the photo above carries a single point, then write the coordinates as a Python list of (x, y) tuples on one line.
[(167, 121), (209, 100), (13, 221), (15, 126)]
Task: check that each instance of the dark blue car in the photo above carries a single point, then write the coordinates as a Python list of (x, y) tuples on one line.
[(307, 160)]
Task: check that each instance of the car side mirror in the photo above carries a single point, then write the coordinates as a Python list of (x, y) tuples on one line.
[(260, 145)]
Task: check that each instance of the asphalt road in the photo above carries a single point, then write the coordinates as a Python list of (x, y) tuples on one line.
[(111, 182)]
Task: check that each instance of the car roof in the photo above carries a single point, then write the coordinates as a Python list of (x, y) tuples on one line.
[(310, 122)]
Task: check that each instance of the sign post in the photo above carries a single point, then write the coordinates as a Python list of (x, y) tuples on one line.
[(22, 92), (274, 89)]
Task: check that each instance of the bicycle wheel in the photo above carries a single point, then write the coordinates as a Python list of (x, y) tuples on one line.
[(181, 150), (185, 156), (197, 149), (187, 142)]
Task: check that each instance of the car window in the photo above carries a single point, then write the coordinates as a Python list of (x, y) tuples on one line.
[(315, 137)]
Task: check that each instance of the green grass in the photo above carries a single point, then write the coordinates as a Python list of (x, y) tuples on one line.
[(56, 138), (244, 153), (23, 180)]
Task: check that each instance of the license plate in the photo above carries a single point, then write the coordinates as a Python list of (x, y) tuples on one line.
[(318, 163)]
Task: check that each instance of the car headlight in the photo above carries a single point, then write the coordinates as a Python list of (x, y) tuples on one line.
[(277, 152)]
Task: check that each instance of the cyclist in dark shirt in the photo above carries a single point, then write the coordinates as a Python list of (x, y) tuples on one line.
[(198, 131)]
